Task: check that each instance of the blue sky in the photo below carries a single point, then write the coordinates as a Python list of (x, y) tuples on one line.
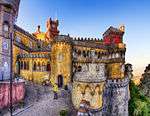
[(90, 18)]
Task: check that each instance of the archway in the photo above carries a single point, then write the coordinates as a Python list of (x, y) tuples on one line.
[(60, 81)]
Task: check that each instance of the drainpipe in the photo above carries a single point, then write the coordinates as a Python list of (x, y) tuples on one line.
[(11, 72)]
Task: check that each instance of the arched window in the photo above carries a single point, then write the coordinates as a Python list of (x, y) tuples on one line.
[(48, 67), (88, 53), (6, 26), (39, 66), (79, 68), (98, 55), (25, 65), (79, 52), (34, 66), (84, 54), (21, 65), (43, 66)]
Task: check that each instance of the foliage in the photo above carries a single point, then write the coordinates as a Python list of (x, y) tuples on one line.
[(63, 113), (139, 105)]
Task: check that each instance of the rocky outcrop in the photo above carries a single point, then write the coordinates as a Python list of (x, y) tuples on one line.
[(145, 81)]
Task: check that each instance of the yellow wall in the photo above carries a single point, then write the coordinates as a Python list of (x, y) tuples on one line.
[(61, 63), (91, 92), (16, 51), (36, 76), (115, 70), (25, 39)]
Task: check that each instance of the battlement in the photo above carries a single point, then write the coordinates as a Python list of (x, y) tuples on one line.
[(86, 39), (117, 83), (34, 56)]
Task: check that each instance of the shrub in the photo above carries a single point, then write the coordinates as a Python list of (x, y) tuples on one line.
[(63, 112)]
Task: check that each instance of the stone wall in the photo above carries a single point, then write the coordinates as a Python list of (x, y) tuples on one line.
[(116, 97)]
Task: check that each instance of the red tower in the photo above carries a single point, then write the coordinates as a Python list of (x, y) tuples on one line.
[(113, 35)]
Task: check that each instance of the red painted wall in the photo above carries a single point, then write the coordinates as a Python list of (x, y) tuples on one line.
[(17, 93)]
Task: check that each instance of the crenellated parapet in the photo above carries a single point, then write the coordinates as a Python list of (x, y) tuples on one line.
[(87, 39), (88, 54), (117, 83), (33, 56), (116, 96)]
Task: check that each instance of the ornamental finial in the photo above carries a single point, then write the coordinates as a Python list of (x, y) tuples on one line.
[(122, 28)]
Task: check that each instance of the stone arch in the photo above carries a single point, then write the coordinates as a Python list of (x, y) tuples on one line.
[(96, 101), (97, 89), (77, 94), (80, 88), (88, 93)]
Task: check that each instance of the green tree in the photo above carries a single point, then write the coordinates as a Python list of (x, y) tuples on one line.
[(139, 105)]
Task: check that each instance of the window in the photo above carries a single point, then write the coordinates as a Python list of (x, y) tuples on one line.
[(5, 45), (18, 39), (79, 52), (48, 68), (25, 65), (39, 66), (79, 68), (43, 66), (21, 65), (6, 26), (34, 66), (84, 53)]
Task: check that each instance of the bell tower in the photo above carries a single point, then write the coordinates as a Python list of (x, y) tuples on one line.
[(8, 15)]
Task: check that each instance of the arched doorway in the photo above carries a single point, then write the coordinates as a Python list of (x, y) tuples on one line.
[(48, 67), (60, 81)]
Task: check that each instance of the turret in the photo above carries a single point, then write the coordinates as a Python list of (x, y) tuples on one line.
[(8, 15), (52, 29), (61, 62), (113, 35)]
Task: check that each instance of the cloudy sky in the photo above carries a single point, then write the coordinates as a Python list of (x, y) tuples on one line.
[(91, 18)]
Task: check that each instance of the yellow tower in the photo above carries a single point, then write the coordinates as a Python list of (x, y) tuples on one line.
[(61, 63)]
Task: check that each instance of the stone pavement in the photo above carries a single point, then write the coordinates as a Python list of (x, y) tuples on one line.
[(39, 102), (46, 107)]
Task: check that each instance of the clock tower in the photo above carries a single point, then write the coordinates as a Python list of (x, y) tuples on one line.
[(8, 15)]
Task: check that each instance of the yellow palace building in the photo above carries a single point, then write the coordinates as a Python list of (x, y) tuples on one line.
[(95, 68)]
